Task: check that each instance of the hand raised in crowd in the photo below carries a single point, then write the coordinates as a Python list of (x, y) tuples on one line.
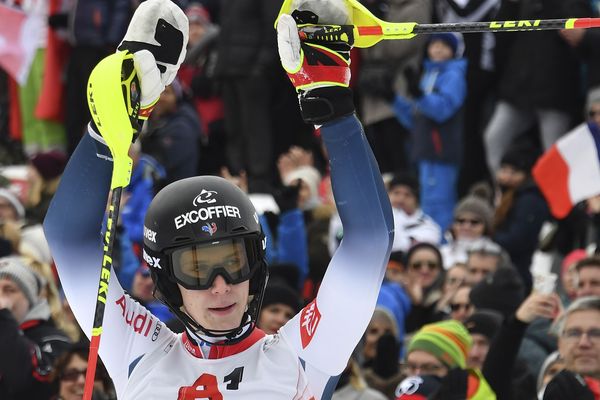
[(413, 284), (447, 295), (538, 305), (295, 157), (240, 180)]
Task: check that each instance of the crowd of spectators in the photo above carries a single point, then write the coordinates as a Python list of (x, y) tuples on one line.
[(486, 294)]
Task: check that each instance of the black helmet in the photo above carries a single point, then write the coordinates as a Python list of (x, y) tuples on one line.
[(197, 211)]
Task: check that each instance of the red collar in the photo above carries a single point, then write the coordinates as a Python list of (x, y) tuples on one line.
[(222, 351), (30, 324)]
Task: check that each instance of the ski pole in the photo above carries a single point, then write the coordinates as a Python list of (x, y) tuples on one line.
[(115, 120), (367, 29)]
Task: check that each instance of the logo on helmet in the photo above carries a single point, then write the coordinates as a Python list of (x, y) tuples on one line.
[(150, 235), (209, 228), (151, 261), (206, 213), (205, 196)]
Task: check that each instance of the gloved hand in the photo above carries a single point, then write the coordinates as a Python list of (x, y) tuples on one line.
[(453, 386), (287, 197), (319, 70), (161, 28)]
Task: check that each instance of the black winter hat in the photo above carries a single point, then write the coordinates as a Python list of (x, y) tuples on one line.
[(408, 180), (520, 157), (279, 293), (502, 291), (484, 322)]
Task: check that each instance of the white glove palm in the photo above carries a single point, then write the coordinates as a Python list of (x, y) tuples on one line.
[(161, 28)]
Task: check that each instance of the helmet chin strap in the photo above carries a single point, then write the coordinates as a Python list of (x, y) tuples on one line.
[(226, 336)]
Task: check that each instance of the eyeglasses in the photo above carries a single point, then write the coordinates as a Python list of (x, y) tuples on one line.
[(593, 113), (71, 375), (575, 335), (468, 221), (422, 369), (429, 264), (458, 306)]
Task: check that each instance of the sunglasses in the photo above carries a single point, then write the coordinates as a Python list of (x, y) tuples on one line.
[(458, 306), (462, 221), (592, 113), (429, 264), (71, 375)]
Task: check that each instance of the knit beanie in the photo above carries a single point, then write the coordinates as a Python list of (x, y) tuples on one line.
[(477, 206), (448, 341), (49, 164), (484, 322), (520, 157), (28, 280), (571, 259), (14, 202), (281, 294), (502, 291), (454, 40)]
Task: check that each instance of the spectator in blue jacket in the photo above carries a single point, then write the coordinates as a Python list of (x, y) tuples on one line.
[(435, 118), (146, 178)]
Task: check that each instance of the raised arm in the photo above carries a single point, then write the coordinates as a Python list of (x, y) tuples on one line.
[(73, 224), (325, 332)]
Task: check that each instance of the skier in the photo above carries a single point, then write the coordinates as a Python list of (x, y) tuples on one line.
[(205, 248)]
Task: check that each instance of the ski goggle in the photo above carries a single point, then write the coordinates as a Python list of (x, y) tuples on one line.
[(197, 266)]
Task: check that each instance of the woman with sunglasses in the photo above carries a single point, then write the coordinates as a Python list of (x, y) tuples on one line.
[(70, 369), (206, 251), (424, 285), (472, 220)]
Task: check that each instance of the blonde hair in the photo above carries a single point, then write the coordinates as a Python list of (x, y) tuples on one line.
[(50, 293), (357, 381), (11, 231)]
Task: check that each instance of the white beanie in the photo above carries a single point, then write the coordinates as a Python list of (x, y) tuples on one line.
[(14, 201), (30, 283)]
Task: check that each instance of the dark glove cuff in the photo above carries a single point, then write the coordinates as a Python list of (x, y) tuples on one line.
[(326, 104)]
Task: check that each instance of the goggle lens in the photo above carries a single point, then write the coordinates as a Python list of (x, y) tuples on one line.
[(197, 266)]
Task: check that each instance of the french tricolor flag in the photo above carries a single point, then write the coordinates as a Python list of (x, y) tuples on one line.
[(570, 171)]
